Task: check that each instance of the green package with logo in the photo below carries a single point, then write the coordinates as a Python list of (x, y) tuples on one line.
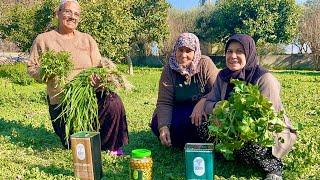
[(199, 159)]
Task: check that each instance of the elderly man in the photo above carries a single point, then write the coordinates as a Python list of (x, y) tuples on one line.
[(84, 54)]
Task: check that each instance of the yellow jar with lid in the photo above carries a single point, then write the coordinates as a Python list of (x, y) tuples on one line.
[(141, 164)]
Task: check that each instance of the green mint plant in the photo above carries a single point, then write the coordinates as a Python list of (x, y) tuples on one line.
[(246, 116)]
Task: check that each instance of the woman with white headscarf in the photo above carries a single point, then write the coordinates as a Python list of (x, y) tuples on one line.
[(184, 82)]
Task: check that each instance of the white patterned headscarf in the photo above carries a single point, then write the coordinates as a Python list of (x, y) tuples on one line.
[(191, 41)]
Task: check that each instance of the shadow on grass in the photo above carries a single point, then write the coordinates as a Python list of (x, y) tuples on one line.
[(38, 138), (169, 163)]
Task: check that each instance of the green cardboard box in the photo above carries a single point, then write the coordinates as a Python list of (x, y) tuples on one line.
[(199, 161)]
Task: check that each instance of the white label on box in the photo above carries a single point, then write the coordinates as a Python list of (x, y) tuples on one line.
[(81, 152), (199, 166)]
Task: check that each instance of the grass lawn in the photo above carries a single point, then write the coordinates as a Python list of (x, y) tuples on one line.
[(29, 149)]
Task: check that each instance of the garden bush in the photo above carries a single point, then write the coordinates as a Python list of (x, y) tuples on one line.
[(16, 73)]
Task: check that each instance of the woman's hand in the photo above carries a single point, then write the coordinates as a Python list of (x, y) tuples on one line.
[(96, 81), (198, 112), (216, 121), (165, 136)]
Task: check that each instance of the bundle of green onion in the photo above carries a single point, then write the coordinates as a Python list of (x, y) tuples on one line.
[(79, 101), (55, 64)]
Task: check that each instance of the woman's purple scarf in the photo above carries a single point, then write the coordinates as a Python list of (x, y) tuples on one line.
[(251, 71)]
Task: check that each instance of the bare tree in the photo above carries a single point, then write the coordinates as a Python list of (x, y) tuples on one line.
[(203, 2), (183, 21), (301, 44), (179, 21), (310, 30)]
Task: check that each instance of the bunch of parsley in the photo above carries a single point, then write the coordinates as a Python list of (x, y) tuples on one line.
[(246, 116), (55, 65)]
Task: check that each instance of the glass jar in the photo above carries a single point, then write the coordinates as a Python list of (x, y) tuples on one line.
[(141, 164)]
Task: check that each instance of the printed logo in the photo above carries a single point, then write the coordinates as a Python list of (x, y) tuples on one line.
[(199, 166), (81, 152)]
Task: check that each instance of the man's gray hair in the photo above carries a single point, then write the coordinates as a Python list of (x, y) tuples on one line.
[(63, 2)]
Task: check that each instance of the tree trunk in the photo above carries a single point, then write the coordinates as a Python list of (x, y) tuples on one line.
[(130, 65), (316, 60)]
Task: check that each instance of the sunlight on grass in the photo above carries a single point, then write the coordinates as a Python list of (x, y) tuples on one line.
[(29, 148)]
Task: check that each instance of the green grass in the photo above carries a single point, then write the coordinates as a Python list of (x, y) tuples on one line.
[(29, 149)]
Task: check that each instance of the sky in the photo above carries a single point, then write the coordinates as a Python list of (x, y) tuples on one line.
[(187, 4)]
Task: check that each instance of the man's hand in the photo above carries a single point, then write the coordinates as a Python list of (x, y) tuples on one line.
[(165, 136), (96, 81), (198, 112)]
